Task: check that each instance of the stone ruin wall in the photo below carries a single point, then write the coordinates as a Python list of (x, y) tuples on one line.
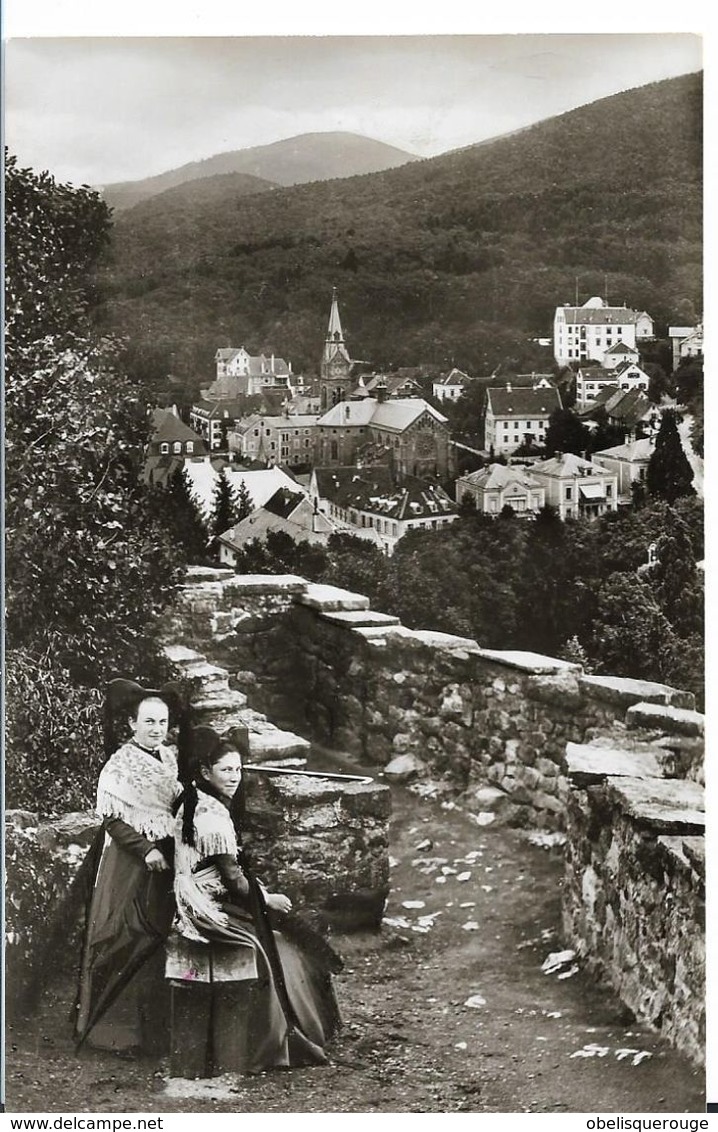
[(614, 765)]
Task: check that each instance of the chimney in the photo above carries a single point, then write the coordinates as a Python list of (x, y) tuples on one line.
[(508, 387), (272, 364), (380, 390)]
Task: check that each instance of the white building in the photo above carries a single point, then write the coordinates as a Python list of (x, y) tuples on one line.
[(629, 462), (451, 386), (497, 486), (591, 380), (517, 416), (370, 499), (577, 488), (588, 332), (686, 342)]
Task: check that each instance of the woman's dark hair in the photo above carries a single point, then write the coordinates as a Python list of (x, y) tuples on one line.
[(206, 748)]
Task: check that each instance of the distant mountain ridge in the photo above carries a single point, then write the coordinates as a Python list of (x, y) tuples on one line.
[(458, 260), (292, 161)]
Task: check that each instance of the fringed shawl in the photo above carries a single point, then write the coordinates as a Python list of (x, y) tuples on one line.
[(140, 789), (199, 892)]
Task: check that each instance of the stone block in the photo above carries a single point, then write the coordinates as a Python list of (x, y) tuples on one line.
[(403, 768), (586, 764), (330, 598), (532, 663), (623, 692), (670, 720), (359, 618), (665, 805)]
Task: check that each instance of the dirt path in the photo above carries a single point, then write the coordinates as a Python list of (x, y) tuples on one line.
[(447, 1009)]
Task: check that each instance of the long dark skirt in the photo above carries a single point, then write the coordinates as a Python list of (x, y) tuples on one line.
[(281, 1018), (123, 1001)]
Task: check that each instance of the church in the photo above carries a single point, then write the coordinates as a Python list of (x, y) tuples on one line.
[(407, 434)]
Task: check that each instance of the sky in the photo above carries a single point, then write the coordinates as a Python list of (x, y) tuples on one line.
[(100, 108)]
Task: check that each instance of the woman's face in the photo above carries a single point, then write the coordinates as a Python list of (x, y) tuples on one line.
[(225, 775), (151, 724)]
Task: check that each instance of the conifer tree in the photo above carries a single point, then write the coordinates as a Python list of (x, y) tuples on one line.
[(187, 527), (669, 474)]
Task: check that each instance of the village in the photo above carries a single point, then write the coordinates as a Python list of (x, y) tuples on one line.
[(374, 455)]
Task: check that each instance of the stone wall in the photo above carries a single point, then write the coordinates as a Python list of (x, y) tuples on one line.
[(613, 764), (486, 726)]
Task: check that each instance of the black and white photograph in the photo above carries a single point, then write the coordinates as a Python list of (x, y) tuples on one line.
[(354, 569)]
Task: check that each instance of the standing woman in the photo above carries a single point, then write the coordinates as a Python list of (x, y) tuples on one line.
[(130, 908), (251, 984)]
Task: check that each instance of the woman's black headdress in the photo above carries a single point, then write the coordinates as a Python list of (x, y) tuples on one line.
[(122, 699), (203, 743)]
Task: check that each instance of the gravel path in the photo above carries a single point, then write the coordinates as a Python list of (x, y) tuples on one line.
[(446, 1009)]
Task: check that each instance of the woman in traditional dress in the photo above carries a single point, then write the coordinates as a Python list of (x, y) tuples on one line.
[(251, 984), (129, 913)]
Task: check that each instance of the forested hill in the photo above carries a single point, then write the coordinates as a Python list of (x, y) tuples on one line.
[(292, 161), (452, 260)]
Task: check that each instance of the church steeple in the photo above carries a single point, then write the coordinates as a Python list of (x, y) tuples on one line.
[(335, 370), (334, 333)]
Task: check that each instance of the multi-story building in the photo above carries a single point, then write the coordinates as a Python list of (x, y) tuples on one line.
[(497, 486), (592, 379), (586, 333), (372, 498), (517, 416), (407, 434), (286, 439), (629, 462), (241, 373), (212, 420), (686, 342), (577, 488)]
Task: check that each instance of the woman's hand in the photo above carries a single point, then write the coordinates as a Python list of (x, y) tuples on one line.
[(278, 902), (156, 861)]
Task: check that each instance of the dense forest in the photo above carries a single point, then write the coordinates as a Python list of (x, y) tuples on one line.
[(460, 259)]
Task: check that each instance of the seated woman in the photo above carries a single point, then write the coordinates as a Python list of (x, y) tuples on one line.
[(130, 902), (245, 996)]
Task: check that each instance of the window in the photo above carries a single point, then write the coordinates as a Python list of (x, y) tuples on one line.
[(568, 492), (189, 446), (609, 490), (164, 448), (177, 447)]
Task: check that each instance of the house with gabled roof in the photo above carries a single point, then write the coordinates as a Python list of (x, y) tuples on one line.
[(576, 487), (373, 499), (591, 379), (517, 416), (241, 373), (288, 512), (619, 354), (496, 486), (171, 443), (585, 333), (450, 386)]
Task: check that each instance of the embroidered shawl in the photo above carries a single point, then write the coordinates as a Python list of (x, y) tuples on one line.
[(199, 892), (140, 789)]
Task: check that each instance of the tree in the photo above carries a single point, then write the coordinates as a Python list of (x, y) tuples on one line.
[(566, 433), (676, 581), (225, 506), (669, 474), (630, 635), (185, 524), (88, 564)]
